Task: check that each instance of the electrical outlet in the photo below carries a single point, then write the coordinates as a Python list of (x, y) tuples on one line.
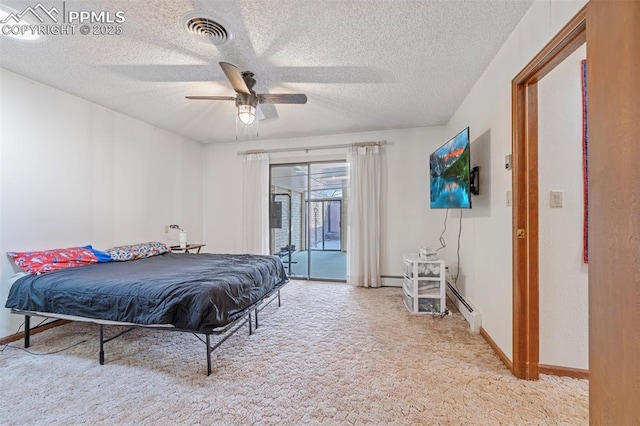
[(507, 162)]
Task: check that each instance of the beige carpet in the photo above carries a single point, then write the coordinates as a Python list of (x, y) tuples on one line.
[(332, 354)]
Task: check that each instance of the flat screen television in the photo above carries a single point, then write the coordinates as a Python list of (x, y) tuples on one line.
[(450, 174)]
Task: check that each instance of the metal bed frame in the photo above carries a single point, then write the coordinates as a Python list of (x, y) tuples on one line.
[(250, 314)]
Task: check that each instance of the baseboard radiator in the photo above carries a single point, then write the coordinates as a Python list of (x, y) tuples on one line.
[(468, 311)]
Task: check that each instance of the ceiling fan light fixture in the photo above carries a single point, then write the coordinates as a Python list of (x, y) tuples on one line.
[(246, 99), (246, 114)]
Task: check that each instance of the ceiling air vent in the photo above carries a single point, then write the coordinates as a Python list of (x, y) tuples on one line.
[(206, 29)]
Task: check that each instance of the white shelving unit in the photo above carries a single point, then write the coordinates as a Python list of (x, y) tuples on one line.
[(425, 285)]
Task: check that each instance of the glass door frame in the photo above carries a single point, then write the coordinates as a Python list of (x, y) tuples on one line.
[(307, 209)]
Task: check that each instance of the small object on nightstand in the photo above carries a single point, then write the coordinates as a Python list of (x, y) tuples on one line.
[(427, 253), (188, 247)]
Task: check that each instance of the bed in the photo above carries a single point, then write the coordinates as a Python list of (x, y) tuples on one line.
[(204, 294)]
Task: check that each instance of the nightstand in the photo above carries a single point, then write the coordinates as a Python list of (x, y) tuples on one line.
[(425, 286), (188, 247)]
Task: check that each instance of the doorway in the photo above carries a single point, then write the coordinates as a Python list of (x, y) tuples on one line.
[(307, 211), (525, 195)]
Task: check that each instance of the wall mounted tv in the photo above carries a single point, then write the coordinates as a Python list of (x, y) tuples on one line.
[(450, 174)]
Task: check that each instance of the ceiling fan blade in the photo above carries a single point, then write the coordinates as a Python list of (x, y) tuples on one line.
[(259, 113), (269, 111), (282, 98), (212, 98), (235, 78)]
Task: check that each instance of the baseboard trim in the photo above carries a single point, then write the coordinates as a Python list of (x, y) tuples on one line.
[(391, 280), (20, 335), (505, 360), (550, 370), (554, 370)]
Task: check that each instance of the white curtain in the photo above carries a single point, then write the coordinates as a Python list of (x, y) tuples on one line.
[(365, 181), (255, 204)]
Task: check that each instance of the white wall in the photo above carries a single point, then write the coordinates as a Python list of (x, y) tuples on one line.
[(486, 253), (564, 313), (408, 223), (74, 173)]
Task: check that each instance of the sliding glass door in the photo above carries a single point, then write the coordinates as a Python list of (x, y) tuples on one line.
[(307, 213)]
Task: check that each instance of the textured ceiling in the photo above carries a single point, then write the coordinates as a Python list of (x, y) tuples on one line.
[(364, 65)]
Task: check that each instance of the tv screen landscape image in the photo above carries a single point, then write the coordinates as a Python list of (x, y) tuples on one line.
[(449, 166)]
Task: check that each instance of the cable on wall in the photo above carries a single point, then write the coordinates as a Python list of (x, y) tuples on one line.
[(443, 244), (455, 280), (442, 241)]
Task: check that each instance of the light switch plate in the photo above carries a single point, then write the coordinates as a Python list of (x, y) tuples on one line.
[(556, 199), (509, 199)]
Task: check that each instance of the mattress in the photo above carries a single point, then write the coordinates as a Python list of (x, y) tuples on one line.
[(194, 292)]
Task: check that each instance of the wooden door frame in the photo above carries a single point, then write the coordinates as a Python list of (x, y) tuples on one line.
[(524, 106)]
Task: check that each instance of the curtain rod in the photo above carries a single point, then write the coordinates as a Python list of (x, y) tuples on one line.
[(312, 148)]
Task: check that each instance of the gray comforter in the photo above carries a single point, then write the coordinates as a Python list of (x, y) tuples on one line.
[(197, 292)]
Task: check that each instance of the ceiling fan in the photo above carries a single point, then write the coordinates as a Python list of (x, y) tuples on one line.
[(247, 100)]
